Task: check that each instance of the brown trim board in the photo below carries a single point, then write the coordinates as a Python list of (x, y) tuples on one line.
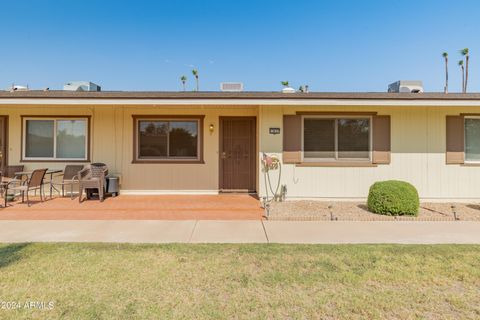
[(337, 113), (201, 129), (89, 138)]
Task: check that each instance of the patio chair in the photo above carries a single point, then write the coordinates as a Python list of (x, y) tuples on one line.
[(92, 177), (10, 171), (34, 183), (70, 178), (15, 180)]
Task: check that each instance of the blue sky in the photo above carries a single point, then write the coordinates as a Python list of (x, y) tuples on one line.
[(147, 45)]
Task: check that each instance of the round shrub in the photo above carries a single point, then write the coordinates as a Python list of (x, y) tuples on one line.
[(393, 198)]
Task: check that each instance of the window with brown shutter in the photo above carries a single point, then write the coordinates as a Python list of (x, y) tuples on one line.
[(455, 145), (292, 139), (472, 139), (331, 138), (381, 140), (327, 139)]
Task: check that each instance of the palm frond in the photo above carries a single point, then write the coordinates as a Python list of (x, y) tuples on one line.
[(464, 52), (445, 54)]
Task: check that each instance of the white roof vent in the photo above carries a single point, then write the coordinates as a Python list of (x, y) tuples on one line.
[(288, 90), (81, 86), (406, 86), (231, 86)]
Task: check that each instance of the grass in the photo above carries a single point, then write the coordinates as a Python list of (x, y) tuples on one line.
[(109, 281)]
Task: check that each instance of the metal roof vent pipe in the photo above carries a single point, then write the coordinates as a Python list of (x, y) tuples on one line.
[(303, 89)]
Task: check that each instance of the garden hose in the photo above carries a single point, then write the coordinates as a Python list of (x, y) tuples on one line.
[(271, 163)]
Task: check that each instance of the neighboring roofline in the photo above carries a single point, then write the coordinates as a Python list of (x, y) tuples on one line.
[(164, 95)]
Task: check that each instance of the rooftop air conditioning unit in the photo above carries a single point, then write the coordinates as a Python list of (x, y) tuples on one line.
[(406, 86), (81, 86), (231, 86)]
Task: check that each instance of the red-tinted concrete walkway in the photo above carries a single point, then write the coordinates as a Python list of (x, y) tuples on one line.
[(171, 207)]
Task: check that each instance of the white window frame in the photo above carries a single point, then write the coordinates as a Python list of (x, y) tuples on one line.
[(168, 158), (336, 159), (55, 120), (465, 139)]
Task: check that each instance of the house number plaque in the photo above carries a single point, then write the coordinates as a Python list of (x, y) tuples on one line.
[(274, 130)]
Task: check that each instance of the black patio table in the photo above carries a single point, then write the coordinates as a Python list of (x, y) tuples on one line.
[(49, 172)]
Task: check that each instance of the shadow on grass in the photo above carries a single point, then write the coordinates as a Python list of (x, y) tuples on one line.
[(11, 253)]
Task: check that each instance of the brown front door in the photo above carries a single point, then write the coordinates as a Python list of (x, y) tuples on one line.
[(237, 154), (3, 142)]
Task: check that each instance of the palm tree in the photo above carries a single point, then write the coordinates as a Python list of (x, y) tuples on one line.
[(195, 74), (445, 56), (460, 63), (464, 53), (285, 83), (184, 80)]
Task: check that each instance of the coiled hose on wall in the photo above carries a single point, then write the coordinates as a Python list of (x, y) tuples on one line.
[(271, 163)]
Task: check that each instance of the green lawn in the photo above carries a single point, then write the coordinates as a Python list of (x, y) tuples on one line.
[(108, 281)]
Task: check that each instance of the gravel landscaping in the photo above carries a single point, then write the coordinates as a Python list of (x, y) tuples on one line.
[(357, 211)]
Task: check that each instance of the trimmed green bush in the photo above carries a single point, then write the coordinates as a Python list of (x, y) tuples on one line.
[(393, 198)]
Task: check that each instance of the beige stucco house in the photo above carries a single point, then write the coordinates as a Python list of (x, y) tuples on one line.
[(330, 145)]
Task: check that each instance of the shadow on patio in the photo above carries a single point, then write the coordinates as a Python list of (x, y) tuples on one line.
[(129, 207)]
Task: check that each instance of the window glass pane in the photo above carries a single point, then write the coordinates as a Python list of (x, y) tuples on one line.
[(39, 139), (183, 139), (472, 139), (152, 139), (319, 138), (353, 138), (71, 139)]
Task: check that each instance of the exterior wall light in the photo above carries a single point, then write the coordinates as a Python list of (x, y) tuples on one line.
[(211, 127)]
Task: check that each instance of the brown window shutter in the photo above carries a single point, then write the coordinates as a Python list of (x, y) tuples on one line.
[(292, 138), (381, 140), (455, 153)]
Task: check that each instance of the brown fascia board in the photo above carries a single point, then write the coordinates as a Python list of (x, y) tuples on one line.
[(60, 94)]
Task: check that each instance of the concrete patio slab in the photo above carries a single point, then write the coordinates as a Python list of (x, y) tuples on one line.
[(373, 232), (235, 231), (229, 232), (136, 207), (96, 231), (149, 231), (51, 231)]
